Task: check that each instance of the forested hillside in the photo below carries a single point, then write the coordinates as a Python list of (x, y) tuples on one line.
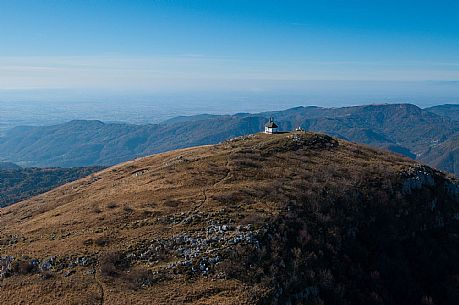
[(19, 184)]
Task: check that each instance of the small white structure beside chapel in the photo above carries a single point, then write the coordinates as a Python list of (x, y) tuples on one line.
[(271, 127)]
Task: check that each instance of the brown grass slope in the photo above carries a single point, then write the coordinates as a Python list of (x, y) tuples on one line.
[(297, 218)]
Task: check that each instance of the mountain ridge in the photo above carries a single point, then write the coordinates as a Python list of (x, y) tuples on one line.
[(260, 219), (401, 128), (8, 165), (448, 110)]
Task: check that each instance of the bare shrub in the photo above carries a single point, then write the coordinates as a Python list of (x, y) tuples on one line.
[(101, 241), (148, 213), (112, 205), (109, 262), (23, 267), (245, 164), (88, 242), (172, 203), (139, 278), (151, 204), (128, 209), (95, 209)]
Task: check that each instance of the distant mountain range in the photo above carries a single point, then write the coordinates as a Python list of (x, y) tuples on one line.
[(430, 135), (450, 110), (8, 165)]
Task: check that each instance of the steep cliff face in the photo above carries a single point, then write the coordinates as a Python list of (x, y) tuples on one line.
[(298, 218)]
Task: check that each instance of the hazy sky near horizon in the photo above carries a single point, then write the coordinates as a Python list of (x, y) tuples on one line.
[(192, 45)]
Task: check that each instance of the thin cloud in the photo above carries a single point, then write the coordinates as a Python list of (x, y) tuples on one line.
[(188, 70)]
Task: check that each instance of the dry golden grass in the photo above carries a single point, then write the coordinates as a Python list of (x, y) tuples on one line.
[(247, 181)]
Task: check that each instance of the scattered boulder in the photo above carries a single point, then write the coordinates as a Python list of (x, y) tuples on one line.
[(48, 263), (6, 265)]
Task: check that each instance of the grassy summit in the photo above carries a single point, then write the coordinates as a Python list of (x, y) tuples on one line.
[(264, 219)]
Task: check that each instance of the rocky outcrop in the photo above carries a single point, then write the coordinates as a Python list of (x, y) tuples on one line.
[(6, 263), (416, 178)]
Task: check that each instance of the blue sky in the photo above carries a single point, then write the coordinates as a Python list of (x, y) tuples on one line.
[(161, 46)]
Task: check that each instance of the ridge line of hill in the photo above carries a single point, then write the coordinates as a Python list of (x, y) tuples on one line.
[(299, 218)]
